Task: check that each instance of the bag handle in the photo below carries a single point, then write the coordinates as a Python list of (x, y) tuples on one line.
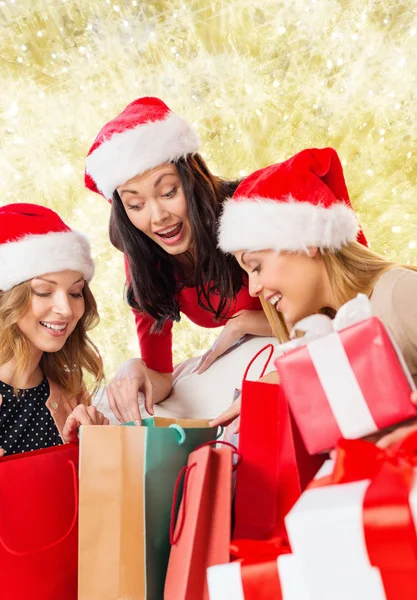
[(271, 351), (173, 539), (21, 553)]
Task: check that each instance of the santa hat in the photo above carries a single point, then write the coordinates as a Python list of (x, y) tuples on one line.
[(145, 134), (34, 240), (292, 205)]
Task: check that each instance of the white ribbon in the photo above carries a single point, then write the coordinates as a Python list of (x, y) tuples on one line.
[(332, 365)]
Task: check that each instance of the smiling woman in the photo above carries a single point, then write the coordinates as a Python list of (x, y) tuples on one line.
[(164, 216), (46, 309)]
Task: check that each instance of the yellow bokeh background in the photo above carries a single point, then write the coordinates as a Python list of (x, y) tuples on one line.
[(258, 79)]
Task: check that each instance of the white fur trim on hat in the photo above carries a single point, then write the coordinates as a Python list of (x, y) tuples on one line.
[(136, 150), (264, 224), (36, 255)]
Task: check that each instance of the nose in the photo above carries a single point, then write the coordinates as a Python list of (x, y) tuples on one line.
[(255, 288), (159, 213), (63, 306)]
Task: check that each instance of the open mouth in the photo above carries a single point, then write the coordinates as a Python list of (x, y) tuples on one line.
[(275, 300), (54, 329), (170, 232)]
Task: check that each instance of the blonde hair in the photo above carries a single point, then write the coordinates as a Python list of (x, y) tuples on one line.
[(352, 270), (64, 367)]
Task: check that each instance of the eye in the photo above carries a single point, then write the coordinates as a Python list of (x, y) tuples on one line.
[(75, 295), (42, 295), (256, 269), (135, 207), (170, 194)]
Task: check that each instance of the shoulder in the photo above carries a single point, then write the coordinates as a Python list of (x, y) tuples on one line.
[(396, 289)]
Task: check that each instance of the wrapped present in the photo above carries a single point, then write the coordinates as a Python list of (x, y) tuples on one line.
[(267, 571), (358, 524), (344, 378)]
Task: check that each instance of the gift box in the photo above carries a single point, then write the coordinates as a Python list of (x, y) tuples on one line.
[(354, 530), (279, 579), (344, 378)]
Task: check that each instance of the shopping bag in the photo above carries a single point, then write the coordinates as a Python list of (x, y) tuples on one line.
[(275, 464), (201, 536), (39, 524), (127, 480)]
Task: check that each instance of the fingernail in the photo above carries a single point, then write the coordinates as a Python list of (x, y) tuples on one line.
[(137, 422)]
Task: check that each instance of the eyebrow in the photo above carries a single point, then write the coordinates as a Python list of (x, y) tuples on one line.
[(242, 259), (157, 182), (160, 178), (55, 283)]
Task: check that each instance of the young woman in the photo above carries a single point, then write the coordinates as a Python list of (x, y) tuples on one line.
[(46, 309), (292, 228), (164, 217)]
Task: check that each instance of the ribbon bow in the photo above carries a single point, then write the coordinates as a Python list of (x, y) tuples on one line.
[(316, 326), (259, 551), (389, 528)]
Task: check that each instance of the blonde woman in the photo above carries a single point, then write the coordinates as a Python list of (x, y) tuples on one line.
[(292, 228), (46, 309)]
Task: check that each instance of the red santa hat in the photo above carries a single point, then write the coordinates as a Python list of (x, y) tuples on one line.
[(34, 240), (145, 134), (290, 206)]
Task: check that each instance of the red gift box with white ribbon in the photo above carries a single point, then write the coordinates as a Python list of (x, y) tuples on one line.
[(345, 378), (278, 579), (353, 530)]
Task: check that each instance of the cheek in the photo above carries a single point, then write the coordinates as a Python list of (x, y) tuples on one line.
[(138, 219)]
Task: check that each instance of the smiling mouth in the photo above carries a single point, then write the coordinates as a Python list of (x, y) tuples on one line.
[(275, 300), (170, 232), (57, 328)]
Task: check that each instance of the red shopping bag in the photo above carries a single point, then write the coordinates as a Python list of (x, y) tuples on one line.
[(39, 524), (275, 464), (202, 534)]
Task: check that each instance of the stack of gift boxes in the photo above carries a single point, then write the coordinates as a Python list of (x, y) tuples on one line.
[(351, 534)]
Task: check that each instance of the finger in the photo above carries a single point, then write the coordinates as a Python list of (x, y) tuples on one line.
[(237, 426), (133, 411), (2, 452), (69, 432), (113, 404), (207, 362), (106, 421), (148, 391), (200, 362), (414, 397), (391, 438), (227, 417)]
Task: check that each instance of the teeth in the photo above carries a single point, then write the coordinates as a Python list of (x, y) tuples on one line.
[(165, 231), (275, 299), (53, 327)]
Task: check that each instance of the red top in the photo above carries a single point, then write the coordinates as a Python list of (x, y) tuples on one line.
[(156, 348)]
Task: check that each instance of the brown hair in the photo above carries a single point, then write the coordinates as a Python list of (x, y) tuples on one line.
[(64, 367), (352, 270)]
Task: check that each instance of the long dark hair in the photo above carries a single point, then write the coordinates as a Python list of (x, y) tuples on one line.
[(155, 276)]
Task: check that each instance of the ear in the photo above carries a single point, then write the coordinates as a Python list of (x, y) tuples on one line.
[(312, 251)]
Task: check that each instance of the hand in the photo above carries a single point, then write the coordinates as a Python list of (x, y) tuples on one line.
[(228, 416), (81, 415), (399, 434), (2, 452), (231, 334), (122, 392)]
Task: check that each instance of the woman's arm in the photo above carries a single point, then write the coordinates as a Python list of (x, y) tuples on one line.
[(248, 322)]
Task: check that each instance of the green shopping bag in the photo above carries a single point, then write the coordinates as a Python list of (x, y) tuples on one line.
[(127, 479)]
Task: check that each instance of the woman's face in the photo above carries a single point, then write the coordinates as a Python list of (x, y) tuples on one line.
[(56, 306), (295, 284), (156, 205)]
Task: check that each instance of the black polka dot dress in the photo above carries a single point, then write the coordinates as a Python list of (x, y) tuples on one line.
[(25, 421)]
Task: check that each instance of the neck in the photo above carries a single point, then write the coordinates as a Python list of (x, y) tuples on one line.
[(31, 377)]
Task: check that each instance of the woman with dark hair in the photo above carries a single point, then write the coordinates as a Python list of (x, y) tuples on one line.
[(164, 216)]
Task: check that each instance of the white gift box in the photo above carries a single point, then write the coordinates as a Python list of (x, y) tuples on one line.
[(325, 529), (225, 581)]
